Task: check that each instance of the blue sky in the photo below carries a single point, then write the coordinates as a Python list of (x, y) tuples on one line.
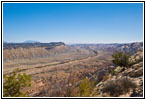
[(73, 22)]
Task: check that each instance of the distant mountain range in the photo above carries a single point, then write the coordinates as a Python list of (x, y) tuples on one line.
[(30, 44), (27, 41), (31, 41)]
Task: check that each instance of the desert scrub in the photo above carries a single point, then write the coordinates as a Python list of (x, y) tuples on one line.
[(121, 59), (13, 83), (86, 87), (118, 86)]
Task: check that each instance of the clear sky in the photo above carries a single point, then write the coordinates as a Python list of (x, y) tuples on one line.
[(73, 22)]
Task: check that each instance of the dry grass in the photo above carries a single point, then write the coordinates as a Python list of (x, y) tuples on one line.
[(118, 87)]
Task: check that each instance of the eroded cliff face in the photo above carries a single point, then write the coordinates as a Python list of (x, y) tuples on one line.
[(127, 47), (40, 50), (16, 51), (27, 53), (28, 50)]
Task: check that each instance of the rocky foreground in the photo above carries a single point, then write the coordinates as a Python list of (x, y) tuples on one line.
[(134, 73)]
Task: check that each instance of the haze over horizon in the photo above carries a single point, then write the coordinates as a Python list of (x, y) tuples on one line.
[(73, 22), (34, 41)]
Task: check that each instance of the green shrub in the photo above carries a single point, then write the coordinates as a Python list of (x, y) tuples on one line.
[(118, 87), (85, 88), (121, 59), (13, 83)]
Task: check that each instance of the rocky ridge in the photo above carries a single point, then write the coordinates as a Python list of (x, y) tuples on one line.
[(133, 73)]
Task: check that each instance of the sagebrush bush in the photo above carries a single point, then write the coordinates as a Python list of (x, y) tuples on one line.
[(118, 87), (121, 59), (85, 87), (13, 83)]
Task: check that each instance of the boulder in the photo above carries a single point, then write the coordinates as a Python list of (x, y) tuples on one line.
[(119, 69)]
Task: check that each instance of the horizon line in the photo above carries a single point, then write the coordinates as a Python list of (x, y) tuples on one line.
[(80, 43)]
